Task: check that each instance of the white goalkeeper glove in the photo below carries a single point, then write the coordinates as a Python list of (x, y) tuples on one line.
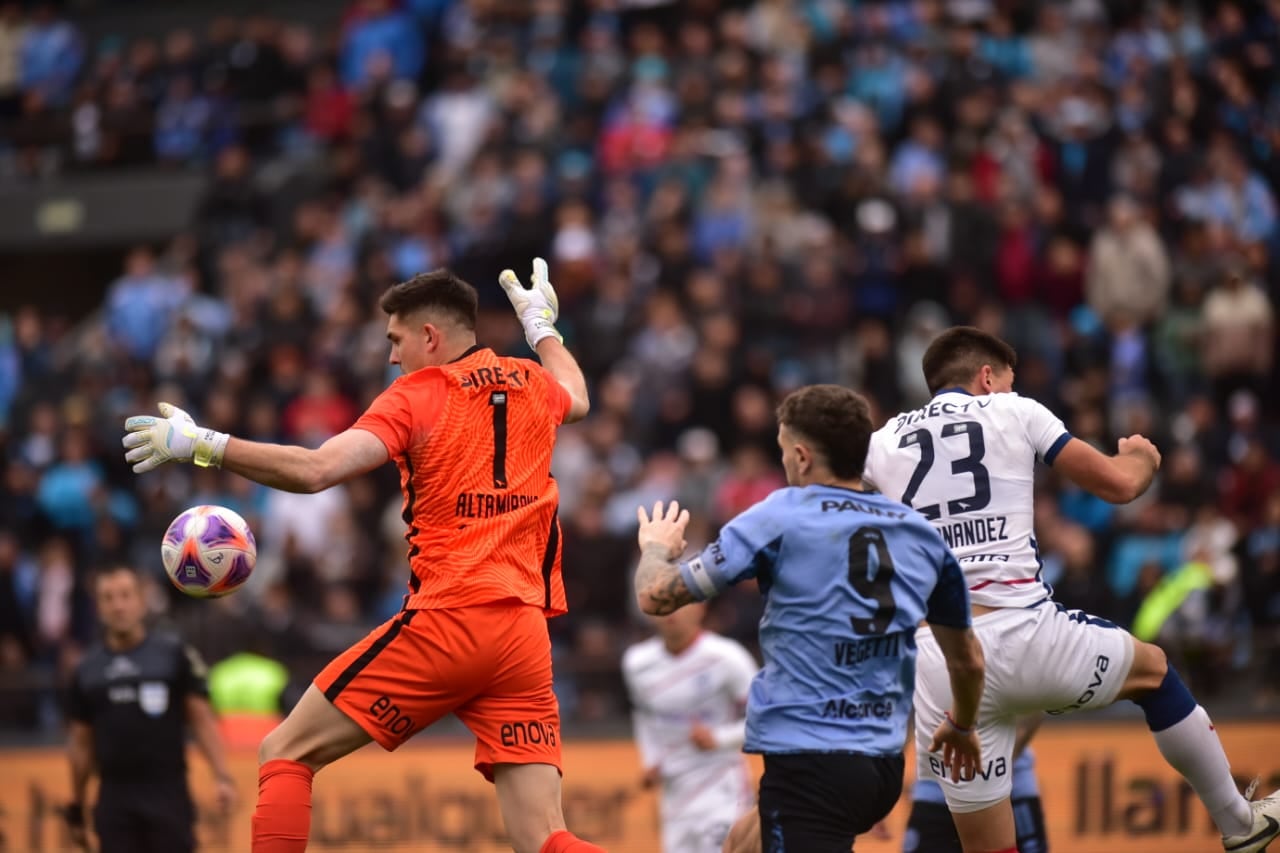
[(536, 305), (172, 437)]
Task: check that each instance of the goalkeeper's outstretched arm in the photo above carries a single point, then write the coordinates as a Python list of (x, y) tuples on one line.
[(537, 307), (174, 437), (300, 469)]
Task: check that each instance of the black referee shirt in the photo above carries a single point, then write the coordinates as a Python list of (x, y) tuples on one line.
[(135, 702)]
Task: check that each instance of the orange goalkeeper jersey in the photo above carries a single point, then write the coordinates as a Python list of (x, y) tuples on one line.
[(473, 441)]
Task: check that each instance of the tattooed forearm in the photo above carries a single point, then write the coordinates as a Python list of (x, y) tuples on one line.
[(659, 587)]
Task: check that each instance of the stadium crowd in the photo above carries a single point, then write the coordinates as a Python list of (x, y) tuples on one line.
[(736, 198)]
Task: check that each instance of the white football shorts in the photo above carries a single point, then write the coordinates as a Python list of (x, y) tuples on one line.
[(697, 814), (1041, 658)]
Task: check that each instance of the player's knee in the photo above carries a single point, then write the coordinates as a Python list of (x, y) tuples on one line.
[(283, 743), (1150, 666), (274, 747)]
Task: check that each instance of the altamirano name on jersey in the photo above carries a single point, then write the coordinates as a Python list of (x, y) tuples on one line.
[(967, 464)]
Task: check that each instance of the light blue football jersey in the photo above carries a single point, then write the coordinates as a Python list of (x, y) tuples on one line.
[(847, 576)]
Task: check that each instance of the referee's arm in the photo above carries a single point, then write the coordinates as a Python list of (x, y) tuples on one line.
[(80, 757), (204, 728), (80, 754), (204, 725)]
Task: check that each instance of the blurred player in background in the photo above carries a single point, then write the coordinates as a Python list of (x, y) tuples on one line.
[(472, 434), (847, 574), (134, 698), (930, 828), (689, 689), (966, 461)]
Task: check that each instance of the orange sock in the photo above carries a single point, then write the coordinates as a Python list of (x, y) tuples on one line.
[(282, 820), (565, 841)]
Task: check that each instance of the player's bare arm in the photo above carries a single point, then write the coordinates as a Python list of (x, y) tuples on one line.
[(957, 736), (660, 589), (299, 469), (175, 437), (538, 308), (1116, 479), (561, 364)]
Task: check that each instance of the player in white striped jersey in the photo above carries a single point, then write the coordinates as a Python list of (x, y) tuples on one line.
[(966, 461), (688, 688)]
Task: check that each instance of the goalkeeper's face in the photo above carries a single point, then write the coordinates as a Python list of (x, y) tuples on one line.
[(410, 343)]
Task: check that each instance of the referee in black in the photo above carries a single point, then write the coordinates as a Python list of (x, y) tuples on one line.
[(135, 697)]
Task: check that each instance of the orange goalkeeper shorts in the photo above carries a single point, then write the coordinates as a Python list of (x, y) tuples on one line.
[(490, 665)]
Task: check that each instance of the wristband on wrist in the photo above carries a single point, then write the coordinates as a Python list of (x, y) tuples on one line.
[(952, 722), (209, 448)]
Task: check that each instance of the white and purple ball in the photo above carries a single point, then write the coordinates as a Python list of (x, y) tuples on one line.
[(208, 551)]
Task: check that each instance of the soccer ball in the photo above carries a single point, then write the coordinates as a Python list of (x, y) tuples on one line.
[(208, 551)]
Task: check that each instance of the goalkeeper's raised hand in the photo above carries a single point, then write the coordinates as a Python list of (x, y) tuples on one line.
[(536, 305), (172, 437)]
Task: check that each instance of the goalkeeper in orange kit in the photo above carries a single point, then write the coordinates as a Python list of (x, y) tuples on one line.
[(472, 434)]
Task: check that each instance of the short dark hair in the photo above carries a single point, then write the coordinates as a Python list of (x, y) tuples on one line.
[(837, 421), (438, 290), (112, 569), (956, 356)]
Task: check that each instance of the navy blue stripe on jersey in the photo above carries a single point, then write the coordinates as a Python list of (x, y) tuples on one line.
[(1048, 590), (1056, 448)]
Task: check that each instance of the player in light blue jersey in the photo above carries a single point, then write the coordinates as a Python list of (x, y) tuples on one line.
[(847, 576), (930, 828)]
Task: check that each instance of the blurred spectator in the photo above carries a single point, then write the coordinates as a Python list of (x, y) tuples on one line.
[(10, 370), (233, 208), (1128, 275), (750, 479), (19, 579), (70, 488), (329, 107), (380, 43), (1239, 330), (12, 36), (141, 302), (320, 412), (52, 53)]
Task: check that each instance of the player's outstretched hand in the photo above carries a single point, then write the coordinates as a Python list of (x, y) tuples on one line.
[(665, 528), (172, 437), (961, 749), (1140, 444), (537, 305)]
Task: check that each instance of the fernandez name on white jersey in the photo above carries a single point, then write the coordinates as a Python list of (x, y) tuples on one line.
[(968, 465)]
